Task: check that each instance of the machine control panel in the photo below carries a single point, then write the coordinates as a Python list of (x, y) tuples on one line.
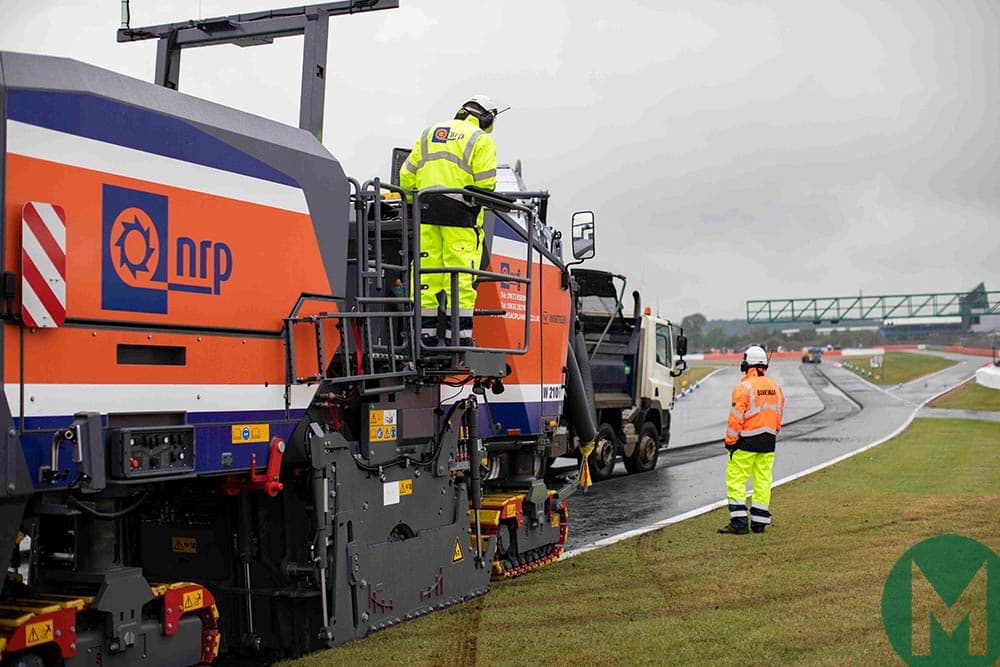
[(151, 451)]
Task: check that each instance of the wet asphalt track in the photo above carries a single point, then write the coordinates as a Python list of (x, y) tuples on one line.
[(830, 412)]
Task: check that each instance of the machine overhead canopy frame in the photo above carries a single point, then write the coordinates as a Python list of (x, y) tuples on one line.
[(311, 21)]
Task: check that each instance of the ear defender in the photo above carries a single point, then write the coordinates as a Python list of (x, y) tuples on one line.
[(744, 366), (486, 121), (485, 118)]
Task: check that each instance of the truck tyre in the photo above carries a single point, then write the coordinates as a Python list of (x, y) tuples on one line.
[(602, 459), (646, 452)]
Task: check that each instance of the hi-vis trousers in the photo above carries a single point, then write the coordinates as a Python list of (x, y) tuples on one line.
[(449, 246), (742, 465)]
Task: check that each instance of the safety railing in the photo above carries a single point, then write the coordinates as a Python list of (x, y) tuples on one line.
[(453, 272), (376, 322)]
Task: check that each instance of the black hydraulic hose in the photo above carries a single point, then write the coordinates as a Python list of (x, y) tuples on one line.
[(106, 516), (586, 376), (578, 409), (475, 474), (581, 411)]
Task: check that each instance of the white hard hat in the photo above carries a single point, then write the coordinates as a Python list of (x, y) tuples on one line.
[(755, 356), (485, 102)]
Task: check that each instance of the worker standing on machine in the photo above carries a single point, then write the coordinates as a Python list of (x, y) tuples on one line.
[(758, 404), (455, 154)]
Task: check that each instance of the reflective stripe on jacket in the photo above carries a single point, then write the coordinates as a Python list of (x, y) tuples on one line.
[(452, 154), (758, 405)]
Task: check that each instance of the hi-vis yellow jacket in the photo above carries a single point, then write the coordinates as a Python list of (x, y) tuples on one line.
[(756, 413), (452, 154)]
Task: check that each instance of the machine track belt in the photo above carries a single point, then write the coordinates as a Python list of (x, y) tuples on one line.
[(500, 512)]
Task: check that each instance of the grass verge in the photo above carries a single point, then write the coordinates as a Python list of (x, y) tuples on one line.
[(691, 375), (898, 367), (970, 396), (806, 592)]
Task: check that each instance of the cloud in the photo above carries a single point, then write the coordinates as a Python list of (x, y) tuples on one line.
[(732, 150)]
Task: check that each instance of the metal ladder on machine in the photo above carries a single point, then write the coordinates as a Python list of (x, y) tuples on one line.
[(377, 347)]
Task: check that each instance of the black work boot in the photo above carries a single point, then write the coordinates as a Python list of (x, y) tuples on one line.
[(758, 527), (732, 528)]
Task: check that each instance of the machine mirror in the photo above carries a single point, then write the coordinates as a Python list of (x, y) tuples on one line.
[(583, 235), (682, 345)]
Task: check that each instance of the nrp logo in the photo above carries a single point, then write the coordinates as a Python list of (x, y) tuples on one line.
[(941, 603), (136, 268), (444, 134)]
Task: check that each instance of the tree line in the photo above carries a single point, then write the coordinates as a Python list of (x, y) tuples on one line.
[(705, 335)]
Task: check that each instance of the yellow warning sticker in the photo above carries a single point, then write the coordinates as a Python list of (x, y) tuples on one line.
[(38, 633), (381, 433), (183, 545), (243, 433), (509, 511), (381, 417), (457, 554), (405, 487), (193, 600)]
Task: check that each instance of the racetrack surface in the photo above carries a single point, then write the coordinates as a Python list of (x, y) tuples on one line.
[(837, 413)]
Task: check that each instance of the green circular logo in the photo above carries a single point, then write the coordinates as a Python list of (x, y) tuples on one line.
[(941, 603)]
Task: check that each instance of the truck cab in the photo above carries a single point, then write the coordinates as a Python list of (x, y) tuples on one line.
[(633, 358)]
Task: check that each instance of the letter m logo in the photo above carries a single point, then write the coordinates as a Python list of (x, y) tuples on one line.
[(958, 621)]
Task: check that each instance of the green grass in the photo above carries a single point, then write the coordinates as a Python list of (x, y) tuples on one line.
[(899, 366), (806, 592), (970, 396), (691, 375)]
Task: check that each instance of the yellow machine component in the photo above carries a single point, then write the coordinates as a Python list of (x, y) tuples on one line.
[(502, 513), (29, 622)]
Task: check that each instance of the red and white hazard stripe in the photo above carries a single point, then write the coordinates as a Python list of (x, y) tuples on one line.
[(43, 265)]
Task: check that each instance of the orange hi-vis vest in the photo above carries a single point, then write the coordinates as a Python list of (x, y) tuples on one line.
[(755, 417)]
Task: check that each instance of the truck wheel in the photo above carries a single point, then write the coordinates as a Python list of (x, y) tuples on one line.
[(602, 459), (646, 452)]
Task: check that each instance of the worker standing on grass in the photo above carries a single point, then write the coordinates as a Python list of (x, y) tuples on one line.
[(754, 421), (455, 154)]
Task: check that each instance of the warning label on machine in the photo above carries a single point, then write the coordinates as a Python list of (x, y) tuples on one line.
[(36, 633), (193, 600), (382, 425), (183, 545), (251, 433)]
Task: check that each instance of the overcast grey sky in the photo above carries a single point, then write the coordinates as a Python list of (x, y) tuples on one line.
[(732, 150)]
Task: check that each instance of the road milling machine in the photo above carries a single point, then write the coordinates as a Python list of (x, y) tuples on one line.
[(220, 431)]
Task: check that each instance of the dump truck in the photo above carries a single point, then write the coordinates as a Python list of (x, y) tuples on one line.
[(633, 359)]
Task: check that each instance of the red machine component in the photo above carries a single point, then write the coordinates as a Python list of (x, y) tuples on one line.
[(189, 599), (268, 482), (58, 627)]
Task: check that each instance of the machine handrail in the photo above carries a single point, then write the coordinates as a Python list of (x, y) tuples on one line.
[(492, 202)]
